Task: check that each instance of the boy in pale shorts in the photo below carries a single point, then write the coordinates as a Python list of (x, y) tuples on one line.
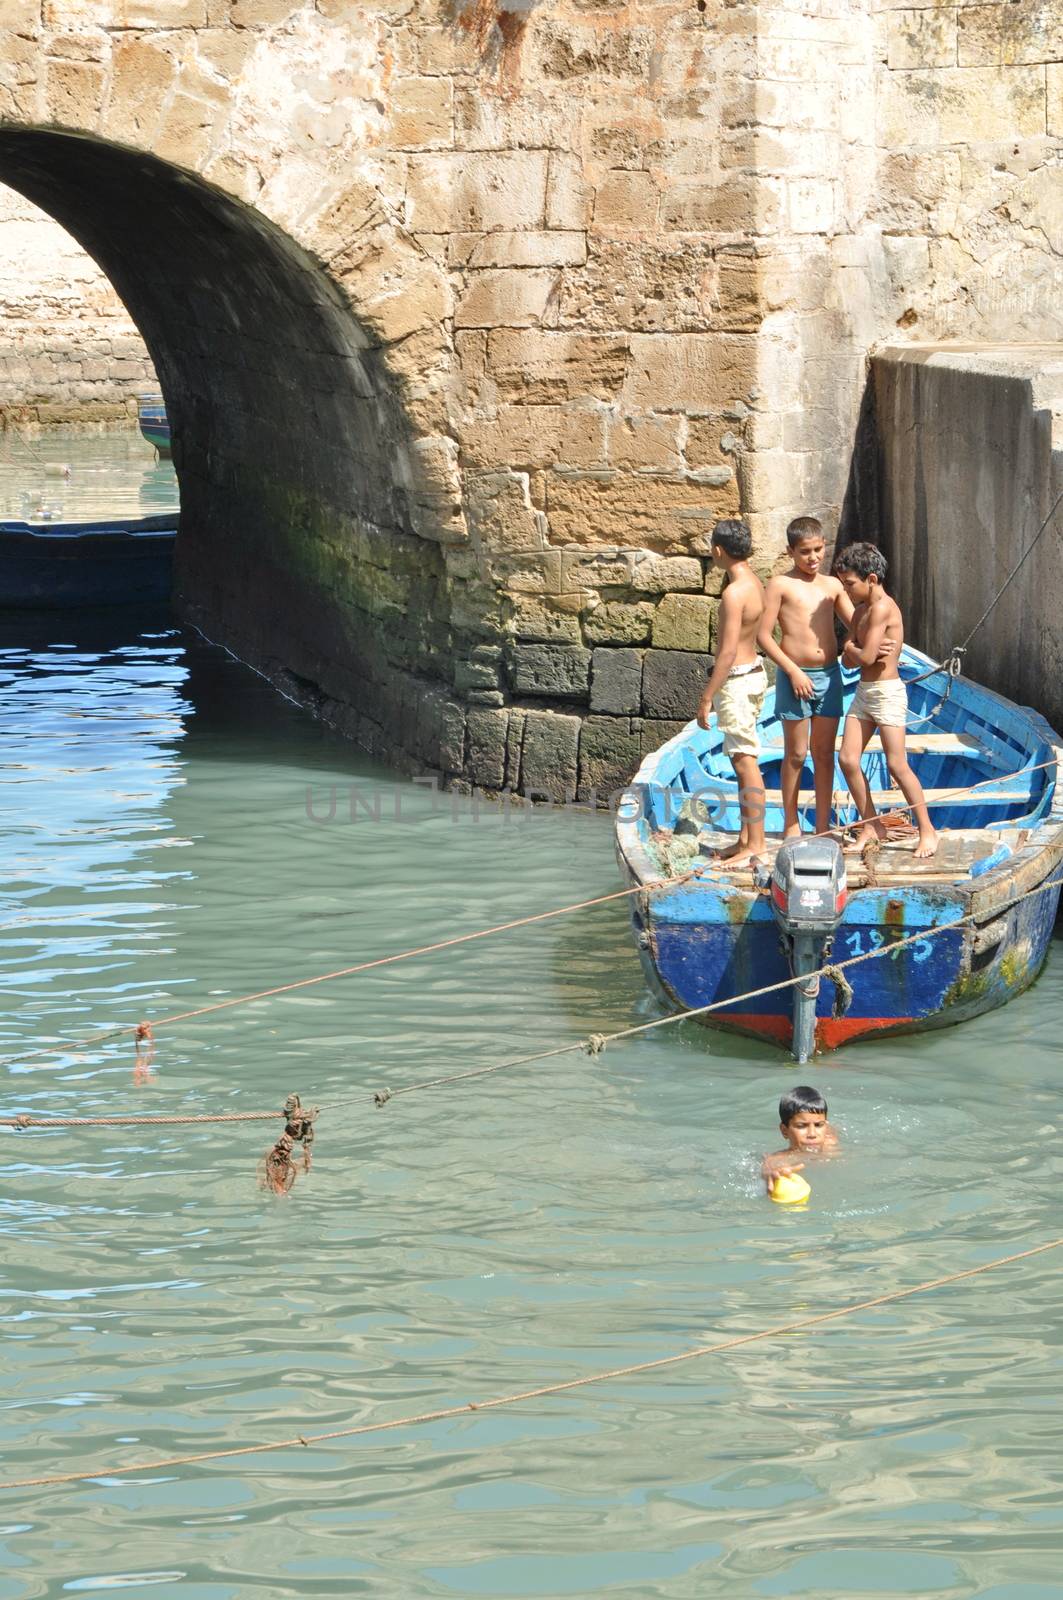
[(881, 699), (735, 692)]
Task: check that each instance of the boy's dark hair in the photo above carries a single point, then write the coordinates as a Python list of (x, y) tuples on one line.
[(803, 528), (802, 1097), (866, 560), (733, 538)]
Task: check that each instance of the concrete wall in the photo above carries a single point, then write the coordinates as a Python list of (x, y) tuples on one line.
[(69, 350), (970, 462)]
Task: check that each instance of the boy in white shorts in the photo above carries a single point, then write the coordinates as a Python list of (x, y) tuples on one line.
[(736, 689), (881, 700)]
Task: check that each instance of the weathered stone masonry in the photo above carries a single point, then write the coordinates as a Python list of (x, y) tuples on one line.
[(473, 320)]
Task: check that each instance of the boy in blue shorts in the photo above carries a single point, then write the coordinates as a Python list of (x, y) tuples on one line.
[(808, 686)]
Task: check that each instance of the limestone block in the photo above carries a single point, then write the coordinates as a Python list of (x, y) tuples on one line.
[(447, 50), (1020, 32), (661, 514), (548, 755), (561, 671), (1054, 72), (501, 516), (672, 683), (259, 13), (655, 574), (744, 204), (538, 621), (485, 697), (141, 75), (553, 248), (626, 200), (962, 105), (396, 290), (645, 442), (680, 372), (525, 437), (609, 755), (619, 622), (23, 16), (506, 297), (596, 569), (922, 38), (815, 428), (422, 113), (452, 737), (475, 675), (616, 681), (683, 622), (186, 132), (477, 192), (485, 761), (567, 199), (537, 367), (533, 572), (811, 205), (1038, 203), (572, 50), (654, 732), (74, 90), (176, 13)]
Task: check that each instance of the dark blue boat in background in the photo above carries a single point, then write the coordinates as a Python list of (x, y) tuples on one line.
[(154, 423), (125, 561), (721, 933)]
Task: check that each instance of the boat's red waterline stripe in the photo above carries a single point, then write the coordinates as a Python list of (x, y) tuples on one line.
[(830, 1031)]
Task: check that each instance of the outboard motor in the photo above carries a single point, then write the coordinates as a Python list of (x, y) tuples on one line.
[(808, 895)]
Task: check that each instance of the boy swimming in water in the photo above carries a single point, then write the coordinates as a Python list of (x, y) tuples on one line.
[(803, 1124)]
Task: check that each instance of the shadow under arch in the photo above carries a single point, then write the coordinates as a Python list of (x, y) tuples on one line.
[(297, 546)]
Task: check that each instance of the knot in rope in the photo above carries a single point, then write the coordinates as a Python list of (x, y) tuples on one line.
[(869, 856), (596, 1044), (953, 664), (843, 991), (382, 1097), (278, 1171)]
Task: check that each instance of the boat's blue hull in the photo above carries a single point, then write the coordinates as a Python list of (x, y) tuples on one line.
[(86, 563), (989, 770), (701, 945), (154, 423)]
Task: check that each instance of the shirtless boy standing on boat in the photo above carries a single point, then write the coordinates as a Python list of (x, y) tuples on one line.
[(803, 1124), (881, 701), (808, 686), (736, 689)]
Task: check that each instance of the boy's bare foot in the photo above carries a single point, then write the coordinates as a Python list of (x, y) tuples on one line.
[(792, 831), (731, 850), (927, 846), (870, 833), (744, 858)]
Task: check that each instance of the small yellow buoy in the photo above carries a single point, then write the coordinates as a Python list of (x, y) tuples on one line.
[(789, 1189)]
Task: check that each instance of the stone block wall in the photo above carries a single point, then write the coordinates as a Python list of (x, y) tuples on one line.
[(477, 316), (69, 350)]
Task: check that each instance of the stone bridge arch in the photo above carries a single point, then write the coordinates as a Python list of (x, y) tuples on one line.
[(305, 371)]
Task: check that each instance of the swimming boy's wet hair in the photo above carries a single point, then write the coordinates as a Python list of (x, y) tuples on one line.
[(802, 528), (734, 538), (802, 1097), (866, 560)]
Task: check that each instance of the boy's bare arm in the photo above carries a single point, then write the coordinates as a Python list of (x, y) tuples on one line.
[(867, 652), (843, 606), (726, 650)]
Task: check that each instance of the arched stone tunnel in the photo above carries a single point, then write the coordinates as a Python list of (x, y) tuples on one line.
[(301, 488)]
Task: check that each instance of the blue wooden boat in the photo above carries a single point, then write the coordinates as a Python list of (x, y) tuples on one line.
[(63, 564), (154, 423), (723, 933)]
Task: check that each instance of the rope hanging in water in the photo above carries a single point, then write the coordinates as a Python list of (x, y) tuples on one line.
[(278, 1170)]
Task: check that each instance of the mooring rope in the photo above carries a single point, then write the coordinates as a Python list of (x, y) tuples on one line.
[(597, 1042), (471, 1407), (593, 1045)]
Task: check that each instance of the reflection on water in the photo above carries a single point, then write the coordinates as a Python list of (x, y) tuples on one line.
[(71, 477), (474, 1240)]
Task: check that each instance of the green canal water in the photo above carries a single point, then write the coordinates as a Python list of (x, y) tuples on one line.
[(471, 1240), (71, 476)]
